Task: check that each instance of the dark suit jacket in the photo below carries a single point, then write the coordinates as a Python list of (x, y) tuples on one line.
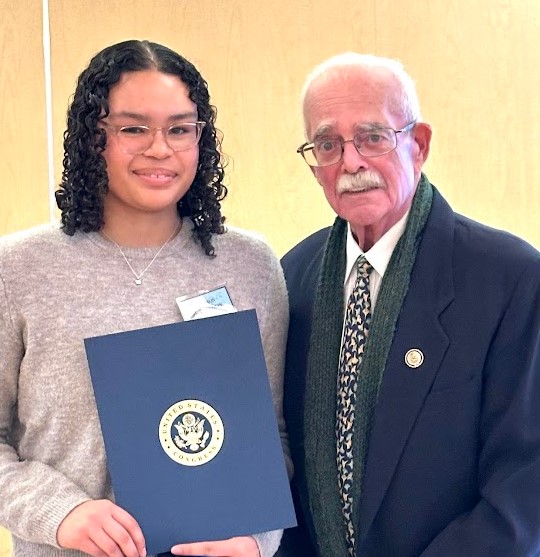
[(454, 461)]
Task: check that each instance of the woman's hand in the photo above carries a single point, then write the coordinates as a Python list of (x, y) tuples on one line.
[(101, 529), (244, 546)]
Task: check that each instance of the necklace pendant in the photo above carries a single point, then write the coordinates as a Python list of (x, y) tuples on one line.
[(138, 277)]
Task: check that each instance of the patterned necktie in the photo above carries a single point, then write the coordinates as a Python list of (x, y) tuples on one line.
[(355, 331)]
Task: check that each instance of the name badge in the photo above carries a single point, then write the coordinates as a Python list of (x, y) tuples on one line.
[(205, 304)]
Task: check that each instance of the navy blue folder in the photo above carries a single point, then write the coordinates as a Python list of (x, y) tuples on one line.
[(145, 383)]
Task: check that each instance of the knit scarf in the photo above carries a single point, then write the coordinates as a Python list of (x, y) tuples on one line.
[(321, 381)]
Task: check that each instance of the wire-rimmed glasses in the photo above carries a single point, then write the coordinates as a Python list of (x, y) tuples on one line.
[(372, 142), (136, 139)]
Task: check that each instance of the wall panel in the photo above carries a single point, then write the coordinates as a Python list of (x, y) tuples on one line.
[(477, 69), (24, 196)]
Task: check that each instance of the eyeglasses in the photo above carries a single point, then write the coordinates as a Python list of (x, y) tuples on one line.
[(370, 143), (135, 140)]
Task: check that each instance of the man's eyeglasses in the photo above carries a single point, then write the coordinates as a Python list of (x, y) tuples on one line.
[(135, 140), (370, 143)]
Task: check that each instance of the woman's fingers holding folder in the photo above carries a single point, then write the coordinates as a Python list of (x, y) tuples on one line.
[(102, 529), (244, 546)]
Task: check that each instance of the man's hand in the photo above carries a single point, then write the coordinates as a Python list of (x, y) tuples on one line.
[(101, 529), (245, 546)]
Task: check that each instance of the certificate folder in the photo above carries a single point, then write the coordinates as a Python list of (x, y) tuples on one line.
[(214, 368)]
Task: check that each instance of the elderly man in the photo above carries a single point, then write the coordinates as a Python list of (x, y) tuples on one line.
[(412, 390)]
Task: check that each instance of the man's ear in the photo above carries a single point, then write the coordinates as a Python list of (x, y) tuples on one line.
[(422, 137), (316, 171)]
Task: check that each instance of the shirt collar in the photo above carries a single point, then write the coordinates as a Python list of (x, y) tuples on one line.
[(380, 253)]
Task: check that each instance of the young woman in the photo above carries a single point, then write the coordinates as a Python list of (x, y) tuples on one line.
[(141, 226)]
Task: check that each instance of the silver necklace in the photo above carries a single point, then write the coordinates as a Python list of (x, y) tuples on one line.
[(138, 276)]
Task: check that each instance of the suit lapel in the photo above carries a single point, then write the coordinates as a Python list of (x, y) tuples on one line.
[(404, 388)]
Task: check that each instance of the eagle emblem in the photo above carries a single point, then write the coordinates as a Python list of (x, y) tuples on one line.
[(191, 432)]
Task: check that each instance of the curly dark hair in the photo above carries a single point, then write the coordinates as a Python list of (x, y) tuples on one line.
[(84, 178)]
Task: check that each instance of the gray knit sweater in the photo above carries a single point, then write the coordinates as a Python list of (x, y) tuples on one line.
[(56, 290)]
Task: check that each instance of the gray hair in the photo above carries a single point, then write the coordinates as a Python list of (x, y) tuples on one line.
[(407, 97)]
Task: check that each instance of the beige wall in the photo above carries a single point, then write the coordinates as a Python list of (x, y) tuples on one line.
[(477, 66), (23, 142), (4, 543)]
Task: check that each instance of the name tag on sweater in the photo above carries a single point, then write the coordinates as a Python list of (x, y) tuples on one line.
[(205, 304)]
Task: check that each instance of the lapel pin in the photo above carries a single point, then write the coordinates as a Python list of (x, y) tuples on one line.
[(414, 358)]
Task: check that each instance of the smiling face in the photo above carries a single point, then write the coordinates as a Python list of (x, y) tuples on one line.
[(371, 193), (154, 181)]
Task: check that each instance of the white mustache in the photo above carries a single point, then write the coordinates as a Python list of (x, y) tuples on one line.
[(361, 181)]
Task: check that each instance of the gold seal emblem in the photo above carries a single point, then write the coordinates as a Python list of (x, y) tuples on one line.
[(414, 357), (191, 432)]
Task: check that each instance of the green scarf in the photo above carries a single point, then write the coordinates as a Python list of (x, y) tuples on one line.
[(321, 380)]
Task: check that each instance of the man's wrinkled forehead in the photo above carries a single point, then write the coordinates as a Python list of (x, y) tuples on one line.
[(366, 92)]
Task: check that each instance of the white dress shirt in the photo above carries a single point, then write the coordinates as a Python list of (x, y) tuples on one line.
[(378, 256)]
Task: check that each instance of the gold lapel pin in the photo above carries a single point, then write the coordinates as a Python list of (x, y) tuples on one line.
[(414, 357)]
